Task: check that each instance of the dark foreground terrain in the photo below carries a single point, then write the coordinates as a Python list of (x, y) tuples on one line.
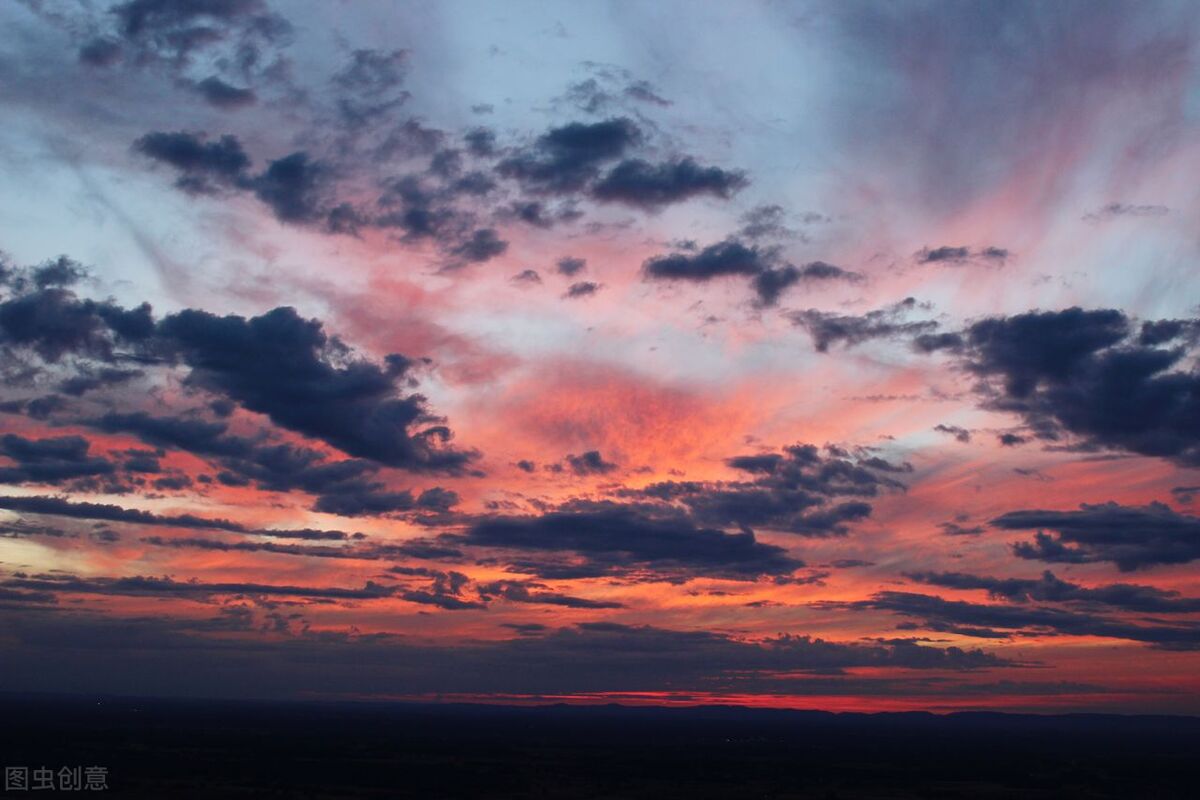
[(173, 749)]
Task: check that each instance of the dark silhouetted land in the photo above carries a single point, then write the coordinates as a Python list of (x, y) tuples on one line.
[(214, 749)]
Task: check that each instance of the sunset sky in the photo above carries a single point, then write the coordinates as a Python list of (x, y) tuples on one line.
[(834, 355)]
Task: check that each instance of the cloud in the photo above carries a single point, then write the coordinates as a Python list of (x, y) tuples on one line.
[(293, 188), (1114, 210), (1185, 494), (100, 52), (482, 245), (1132, 537), (1051, 588), (527, 276), (533, 592), (639, 183), (50, 460), (413, 548), (175, 32), (569, 265), (581, 289), (958, 256), (645, 92), (771, 283), (204, 166), (827, 328), (613, 539), (283, 366), (57, 506), (960, 434), (51, 320), (139, 586), (1003, 621), (564, 159), (729, 257), (957, 528), (1090, 374), (220, 94), (796, 491), (732, 257), (590, 463), (370, 85)]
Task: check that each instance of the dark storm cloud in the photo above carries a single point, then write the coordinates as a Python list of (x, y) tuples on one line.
[(293, 187), (564, 159), (185, 433), (297, 187), (932, 342), (1132, 537), (645, 92), (958, 528), (162, 656), (203, 165), (57, 506), (527, 276), (538, 593), (50, 460), (828, 328), (307, 534), (958, 256), (589, 463), (729, 257), (1004, 621), (569, 265), (88, 379), (616, 539), (676, 530), (138, 586), (356, 498), (283, 366), (480, 141), (369, 86), (139, 17), (318, 387), (365, 502), (241, 36), (581, 289), (1051, 588), (771, 283), (764, 222), (1093, 375), (960, 434), (1113, 210), (639, 183), (342, 487), (61, 271), (100, 52), (220, 94), (42, 313), (1185, 494), (1165, 331), (430, 500), (952, 254), (795, 491), (359, 551), (410, 204), (733, 257), (482, 245)]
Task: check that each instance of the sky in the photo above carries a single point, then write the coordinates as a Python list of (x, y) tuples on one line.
[(836, 355)]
